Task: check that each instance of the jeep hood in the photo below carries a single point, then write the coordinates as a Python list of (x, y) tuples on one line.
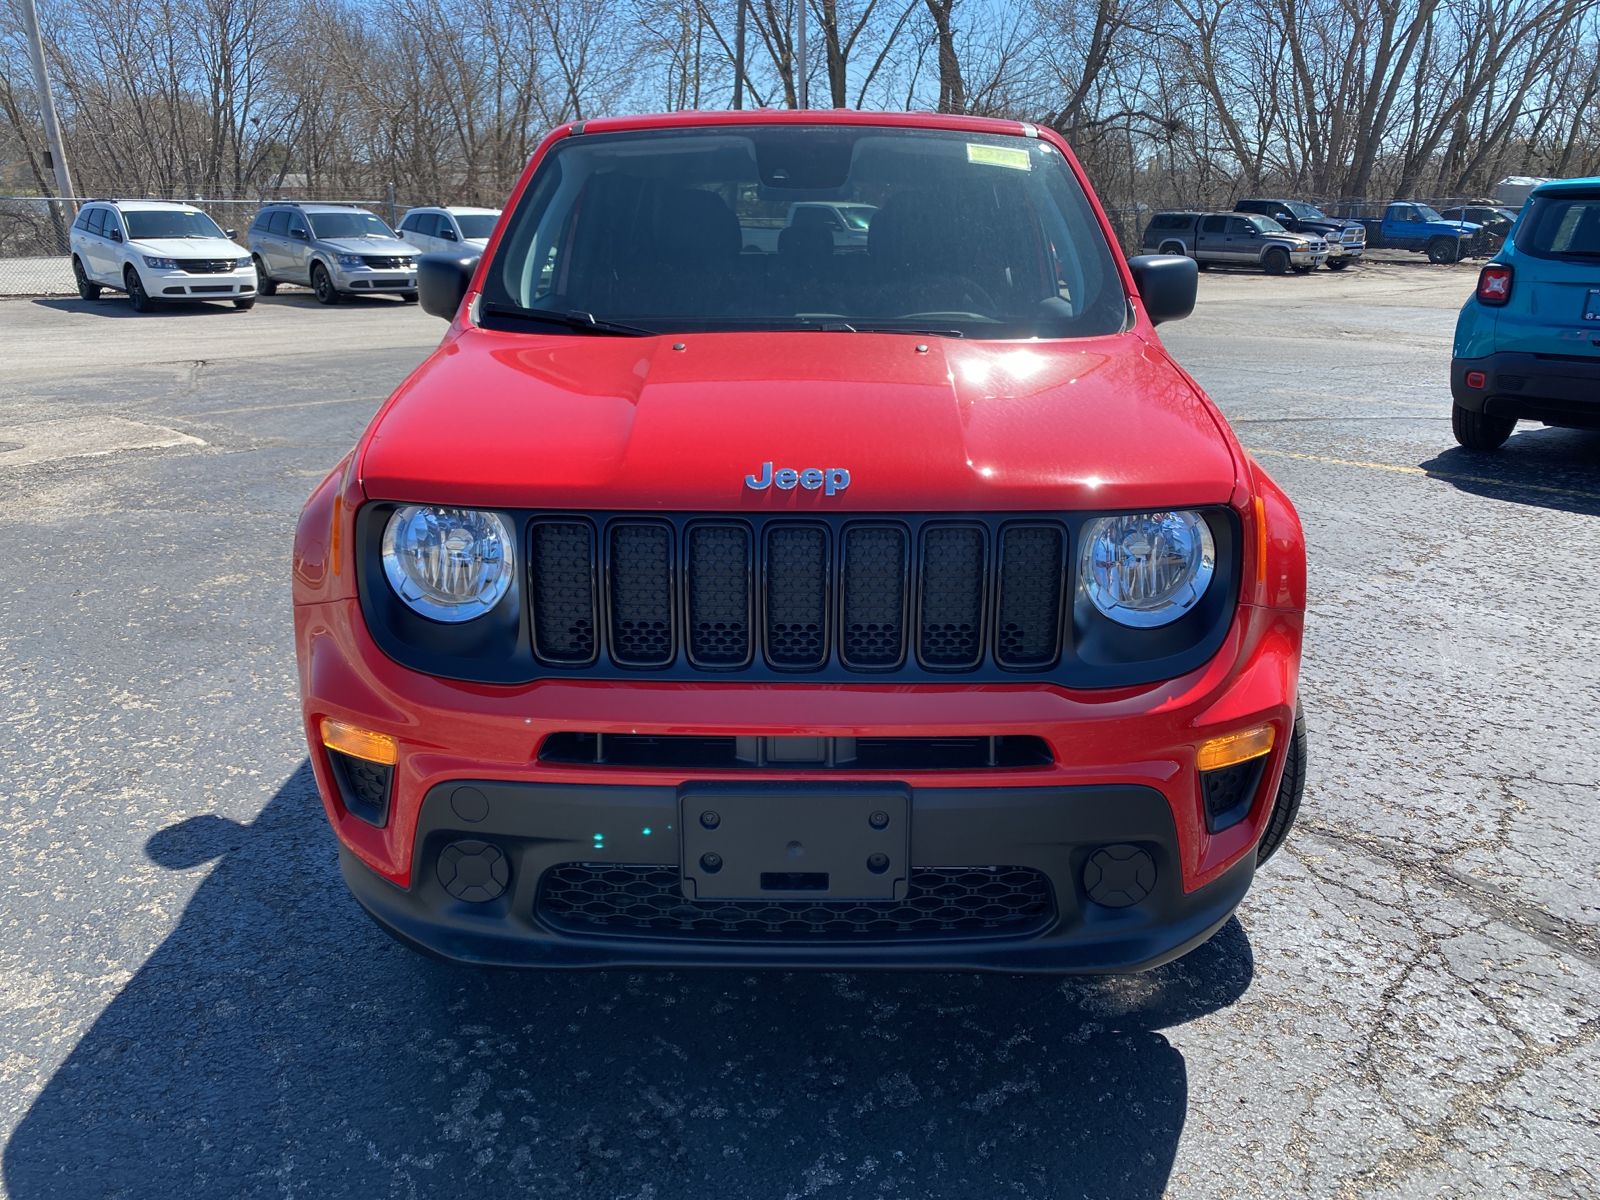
[(507, 420)]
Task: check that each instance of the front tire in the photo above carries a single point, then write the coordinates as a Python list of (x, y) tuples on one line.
[(1291, 788), (1338, 264), (1480, 431), (409, 297), (86, 289), (1443, 251), (1304, 270), (1275, 262), (266, 285), (245, 305), (322, 284), (137, 296)]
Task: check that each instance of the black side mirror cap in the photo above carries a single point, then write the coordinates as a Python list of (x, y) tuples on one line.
[(448, 235), (442, 282), (115, 235), (231, 233), (1167, 283)]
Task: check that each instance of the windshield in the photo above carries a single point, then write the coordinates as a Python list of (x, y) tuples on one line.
[(1306, 212), (347, 225), (476, 225), (966, 234), (1426, 213), (1266, 225), (144, 224), (1561, 226)]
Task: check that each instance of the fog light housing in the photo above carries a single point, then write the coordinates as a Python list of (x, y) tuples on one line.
[(1230, 774), (362, 763)]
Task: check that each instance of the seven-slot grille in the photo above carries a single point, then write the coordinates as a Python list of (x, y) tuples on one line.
[(866, 594)]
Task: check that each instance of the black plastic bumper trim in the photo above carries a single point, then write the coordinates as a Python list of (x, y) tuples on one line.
[(1557, 389)]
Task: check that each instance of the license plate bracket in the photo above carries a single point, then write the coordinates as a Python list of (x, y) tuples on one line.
[(795, 842), (1591, 305)]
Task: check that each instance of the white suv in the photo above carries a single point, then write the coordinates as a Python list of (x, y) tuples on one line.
[(449, 228), (158, 250)]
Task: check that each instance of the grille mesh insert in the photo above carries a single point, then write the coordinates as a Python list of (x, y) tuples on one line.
[(719, 595), (641, 594), (952, 596), (874, 591), (563, 603), (626, 900), (797, 595), (1030, 596)]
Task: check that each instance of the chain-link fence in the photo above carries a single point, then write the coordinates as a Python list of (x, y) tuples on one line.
[(36, 256)]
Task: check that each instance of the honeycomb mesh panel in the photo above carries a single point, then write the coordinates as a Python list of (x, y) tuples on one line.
[(1029, 623), (641, 594), (873, 593), (719, 594), (797, 595), (364, 786), (563, 591), (952, 596), (628, 900)]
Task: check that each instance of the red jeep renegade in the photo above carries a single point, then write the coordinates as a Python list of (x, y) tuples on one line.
[(801, 551)]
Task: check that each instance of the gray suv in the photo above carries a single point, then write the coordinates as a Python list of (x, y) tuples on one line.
[(335, 249)]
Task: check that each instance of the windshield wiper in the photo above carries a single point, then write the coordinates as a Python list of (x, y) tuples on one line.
[(572, 320)]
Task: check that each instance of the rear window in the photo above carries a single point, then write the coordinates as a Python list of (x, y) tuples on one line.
[(977, 235), (1172, 221), (1561, 227)]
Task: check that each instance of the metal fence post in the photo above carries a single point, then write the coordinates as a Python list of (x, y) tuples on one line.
[(391, 206)]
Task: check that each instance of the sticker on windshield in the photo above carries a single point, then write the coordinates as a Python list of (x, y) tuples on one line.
[(999, 156)]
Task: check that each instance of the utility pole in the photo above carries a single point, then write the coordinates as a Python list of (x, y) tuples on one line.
[(805, 87), (738, 57), (47, 106)]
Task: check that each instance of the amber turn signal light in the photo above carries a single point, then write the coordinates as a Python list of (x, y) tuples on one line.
[(1218, 752), (360, 743)]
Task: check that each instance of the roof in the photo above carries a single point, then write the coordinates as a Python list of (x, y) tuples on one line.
[(138, 205), (1556, 187), (808, 116)]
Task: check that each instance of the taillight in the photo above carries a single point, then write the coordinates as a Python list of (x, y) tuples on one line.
[(1494, 285)]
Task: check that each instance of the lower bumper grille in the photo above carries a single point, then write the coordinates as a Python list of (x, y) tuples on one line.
[(628, 900), (799, 753)]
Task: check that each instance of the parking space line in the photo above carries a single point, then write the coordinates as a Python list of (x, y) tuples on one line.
[(222, 412), (1377, 466)]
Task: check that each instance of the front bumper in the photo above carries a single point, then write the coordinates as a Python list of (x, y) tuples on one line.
[(544, 829), (1556, 389), (1308, 258), (370, 279), (174, 285)]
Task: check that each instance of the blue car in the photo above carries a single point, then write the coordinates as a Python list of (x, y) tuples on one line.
[(1528, 342)]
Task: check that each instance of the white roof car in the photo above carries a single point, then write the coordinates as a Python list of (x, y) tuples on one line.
[(450, 228), (158, 250)]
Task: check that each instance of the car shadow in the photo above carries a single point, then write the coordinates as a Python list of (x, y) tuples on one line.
[(277, 1042), (115, 304), (1539, 466)]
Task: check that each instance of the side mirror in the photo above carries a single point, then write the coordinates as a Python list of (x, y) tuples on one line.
[(449, 235), (230, 234), (1167, 283), (298, 233), (442, 282), (115, 235)]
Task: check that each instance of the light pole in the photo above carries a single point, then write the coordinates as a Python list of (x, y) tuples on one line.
[(738, 57), (805, 88), (47, 106)]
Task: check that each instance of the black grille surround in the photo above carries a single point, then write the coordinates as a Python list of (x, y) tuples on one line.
[(205, 266), (857, 597), (644, 900), (384, 262)]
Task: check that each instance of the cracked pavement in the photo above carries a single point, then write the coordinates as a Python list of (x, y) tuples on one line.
[(1406, 1004)]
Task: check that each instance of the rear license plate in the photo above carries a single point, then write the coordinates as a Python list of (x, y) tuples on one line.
[(795, 843), (1591, 306)]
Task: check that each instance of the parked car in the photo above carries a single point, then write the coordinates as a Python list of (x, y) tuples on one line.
[(725, 615), (158, 250), (1240, 239), (1497, 219), (335, 249), (1527, 343), (1412, 226), (448, 229), (847, 224), (1346, 239)]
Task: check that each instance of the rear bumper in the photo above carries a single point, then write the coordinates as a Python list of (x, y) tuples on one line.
[(1558, 390), (1052, 831)]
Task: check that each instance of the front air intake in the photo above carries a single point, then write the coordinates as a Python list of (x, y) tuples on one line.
[(954, 559), (564, 624), (641, 594), (718, 596), (874, 595), (797, 596), (1028, 633)]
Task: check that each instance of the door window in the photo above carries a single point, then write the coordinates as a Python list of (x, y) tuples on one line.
[(1213, 224), (1405, 213), (280, 223), (297, 225), (1238, 225)]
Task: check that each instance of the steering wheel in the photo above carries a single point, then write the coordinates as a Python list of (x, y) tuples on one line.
[(972, 294)]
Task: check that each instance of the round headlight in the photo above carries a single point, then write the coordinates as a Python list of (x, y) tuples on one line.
[(1147, 569), (451, 564)]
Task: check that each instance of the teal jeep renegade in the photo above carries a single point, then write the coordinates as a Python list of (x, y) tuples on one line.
[(1528, 342)]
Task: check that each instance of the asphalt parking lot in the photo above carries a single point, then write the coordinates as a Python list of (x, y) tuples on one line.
[(1408, 1003)]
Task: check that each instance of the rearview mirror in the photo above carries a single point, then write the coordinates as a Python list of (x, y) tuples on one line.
[(1167, 283), (442, 281)]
